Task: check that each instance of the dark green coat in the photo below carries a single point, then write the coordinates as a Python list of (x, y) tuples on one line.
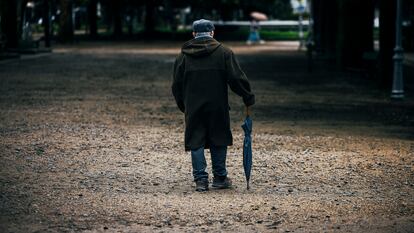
[(202, 73)]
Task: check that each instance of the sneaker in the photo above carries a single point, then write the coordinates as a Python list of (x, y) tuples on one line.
[(221, 182), (201, 185)]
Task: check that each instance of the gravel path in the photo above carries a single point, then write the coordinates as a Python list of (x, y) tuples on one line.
[(91, 140)]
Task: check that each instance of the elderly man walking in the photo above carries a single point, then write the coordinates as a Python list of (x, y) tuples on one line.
[(202, 73)]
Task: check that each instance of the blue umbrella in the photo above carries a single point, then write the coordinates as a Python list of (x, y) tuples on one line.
[(247, 148)]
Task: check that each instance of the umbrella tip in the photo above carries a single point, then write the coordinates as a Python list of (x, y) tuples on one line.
[(248, 186)]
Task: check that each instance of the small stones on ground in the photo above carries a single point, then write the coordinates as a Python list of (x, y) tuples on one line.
[(274, 224), (55, 151)]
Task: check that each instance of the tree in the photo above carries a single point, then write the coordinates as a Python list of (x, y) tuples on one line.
[(355, 31), (46, 21), (92, 18), (149, 17), (117, 17), (387, 41), (66, 21), (9, 24), (281, 9)]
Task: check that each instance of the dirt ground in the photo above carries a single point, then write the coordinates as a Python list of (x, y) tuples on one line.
[(91, 140)]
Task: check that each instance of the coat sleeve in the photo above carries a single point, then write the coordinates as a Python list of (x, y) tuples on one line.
[(238, 81), (177, 85)]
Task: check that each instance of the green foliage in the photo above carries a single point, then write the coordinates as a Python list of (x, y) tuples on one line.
[(282, 10), (239, 34), (166, 13), (280, 35), (277, 9)]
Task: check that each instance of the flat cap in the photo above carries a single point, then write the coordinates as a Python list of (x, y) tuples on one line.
[(203, 25)]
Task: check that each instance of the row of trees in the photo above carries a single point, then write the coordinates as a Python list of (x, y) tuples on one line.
[(116, 15), (344, 34)]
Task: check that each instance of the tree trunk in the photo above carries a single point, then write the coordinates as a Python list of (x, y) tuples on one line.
[(9, 24), (66, 21), (355, 31), (326, 26), (149, 18), (387, 41), (92, 18), (46, 22), (316, 16), (330, 28), (116, 17)]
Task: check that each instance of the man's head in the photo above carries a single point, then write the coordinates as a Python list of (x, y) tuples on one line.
[(202, 28)]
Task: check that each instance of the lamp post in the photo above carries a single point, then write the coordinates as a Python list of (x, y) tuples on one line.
[(397, 84)]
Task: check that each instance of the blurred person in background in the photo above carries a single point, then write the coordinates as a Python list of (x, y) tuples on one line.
[(254, 36)]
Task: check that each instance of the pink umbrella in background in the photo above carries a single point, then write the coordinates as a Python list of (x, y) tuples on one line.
[(258, 16), (254, 36)]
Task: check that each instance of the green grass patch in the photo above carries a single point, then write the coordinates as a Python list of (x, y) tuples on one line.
[(280, 35)]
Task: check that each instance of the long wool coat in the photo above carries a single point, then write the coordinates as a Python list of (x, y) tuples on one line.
[(202, 73)]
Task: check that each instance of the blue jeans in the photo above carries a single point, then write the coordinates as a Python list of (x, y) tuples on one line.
[(218, 161)]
